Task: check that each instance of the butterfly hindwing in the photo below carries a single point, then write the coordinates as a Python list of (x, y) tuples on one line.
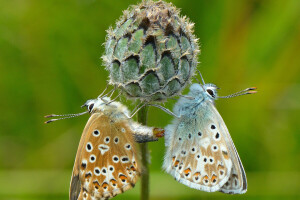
[(200, 151), (106, 162)]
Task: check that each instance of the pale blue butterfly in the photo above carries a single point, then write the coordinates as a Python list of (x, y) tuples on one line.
[(200, 152)]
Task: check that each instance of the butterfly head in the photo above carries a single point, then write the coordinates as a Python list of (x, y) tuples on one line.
[(99, 104), (209, 90), (105, 105)]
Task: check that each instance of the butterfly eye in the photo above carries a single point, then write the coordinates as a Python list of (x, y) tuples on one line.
[(210, 92), (91, 107)]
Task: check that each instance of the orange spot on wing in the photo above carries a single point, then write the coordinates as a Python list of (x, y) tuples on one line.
[(187, 171), (197, 174), (225, 154), (176, 163), (132, 168), (173, 159), (104, 185), (96, 184), (113, 182), (205, 179), (123, 178), (214, 178)]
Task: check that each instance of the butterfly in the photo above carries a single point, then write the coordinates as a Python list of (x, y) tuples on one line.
[(107, 160), (200, 152)]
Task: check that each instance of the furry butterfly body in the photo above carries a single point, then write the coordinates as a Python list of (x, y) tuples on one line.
[(107, 162), (200, 152)]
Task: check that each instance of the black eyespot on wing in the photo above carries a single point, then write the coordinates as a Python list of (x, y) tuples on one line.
[(125, 159), (89, 147)]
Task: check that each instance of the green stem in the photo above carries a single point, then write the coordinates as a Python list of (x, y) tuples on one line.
[(142, 118)]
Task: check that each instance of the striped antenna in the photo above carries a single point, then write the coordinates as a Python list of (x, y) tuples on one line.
[(240, 93), (65, 116)]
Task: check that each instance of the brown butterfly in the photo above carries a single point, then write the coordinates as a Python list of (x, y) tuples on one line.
[(107, 162)]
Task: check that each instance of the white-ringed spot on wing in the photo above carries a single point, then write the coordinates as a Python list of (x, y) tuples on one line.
[(214, 179), (97, 171), (92, 158), (214, 148), (200, 134), (107, 139), (187, 172), (221, 172), (96, 133), (113, 182), (96, 185), (127, 146), (89, 147), (104, 186), (115, 159), (104, 171), (83, 164), (197, 156), (123, 130), (180, 166), (116, 140), (211, 160), (217, 136), (111, 168), (205, 159), (205, 180), (103, 148), (196, 177), (183, 153), (193, 150), (129, 172), (123, 178), (213, 127), (125, 159)]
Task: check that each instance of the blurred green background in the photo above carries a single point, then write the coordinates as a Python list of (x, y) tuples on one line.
[(49, 63)]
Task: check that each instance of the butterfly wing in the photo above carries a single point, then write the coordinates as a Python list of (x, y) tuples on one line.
[(106, 162), (200, 151)]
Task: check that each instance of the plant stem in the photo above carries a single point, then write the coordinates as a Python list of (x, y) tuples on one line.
[(142, 118)]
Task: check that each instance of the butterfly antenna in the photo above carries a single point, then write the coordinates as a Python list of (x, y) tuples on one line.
[(164, 109), (103, 91), (251, 90), (201, 76), (66, 116), (197, 80)]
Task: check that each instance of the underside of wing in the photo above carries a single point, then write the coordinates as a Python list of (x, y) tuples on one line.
[(200, 153), (237, 181), (107, 162)]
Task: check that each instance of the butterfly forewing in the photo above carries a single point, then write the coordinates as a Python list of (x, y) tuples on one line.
[(106, 162), (237, 182), (200, 152)]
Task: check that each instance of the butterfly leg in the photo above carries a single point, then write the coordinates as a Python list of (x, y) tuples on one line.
[(164, 109)]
